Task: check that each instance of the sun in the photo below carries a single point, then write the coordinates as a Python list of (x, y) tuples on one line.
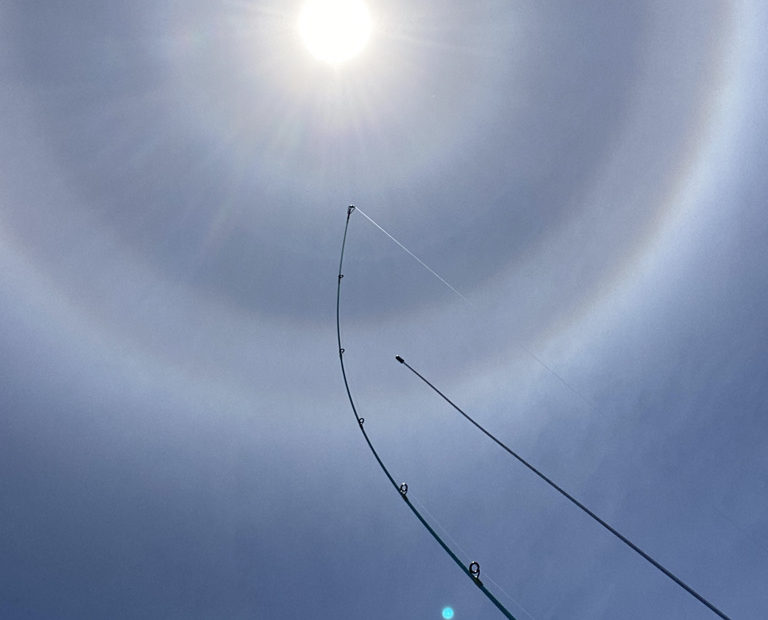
[(335, 30)]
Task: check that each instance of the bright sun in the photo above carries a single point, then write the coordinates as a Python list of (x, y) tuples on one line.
[(335, 30)]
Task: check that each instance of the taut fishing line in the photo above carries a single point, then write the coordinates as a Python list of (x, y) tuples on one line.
[(525, 349), (412, 255)]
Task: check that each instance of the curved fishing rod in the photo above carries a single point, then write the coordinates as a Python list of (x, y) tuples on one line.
[(473, 570), (569, 497)]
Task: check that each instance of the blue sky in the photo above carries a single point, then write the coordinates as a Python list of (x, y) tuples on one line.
[(175, 440)]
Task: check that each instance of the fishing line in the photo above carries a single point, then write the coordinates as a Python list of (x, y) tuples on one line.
[(452, 540), (554, 373), (509, 597), (473, 569), (412, 255), (565, 494), (530, 353)]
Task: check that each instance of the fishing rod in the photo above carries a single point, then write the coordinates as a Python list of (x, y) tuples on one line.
[(472, 570), (567, 495)]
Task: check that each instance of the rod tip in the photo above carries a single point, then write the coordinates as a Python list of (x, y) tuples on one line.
[(399, 359)]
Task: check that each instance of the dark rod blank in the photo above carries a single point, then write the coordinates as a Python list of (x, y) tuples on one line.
[(401, 489)]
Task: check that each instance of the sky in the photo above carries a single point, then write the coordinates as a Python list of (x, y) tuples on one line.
[(175, 437)]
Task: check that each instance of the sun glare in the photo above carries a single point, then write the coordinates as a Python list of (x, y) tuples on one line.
[(335, 30)]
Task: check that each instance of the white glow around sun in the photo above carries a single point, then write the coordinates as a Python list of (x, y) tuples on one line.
[(335, 30)]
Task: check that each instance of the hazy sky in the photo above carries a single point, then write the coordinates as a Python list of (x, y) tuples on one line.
[(175, 439)]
